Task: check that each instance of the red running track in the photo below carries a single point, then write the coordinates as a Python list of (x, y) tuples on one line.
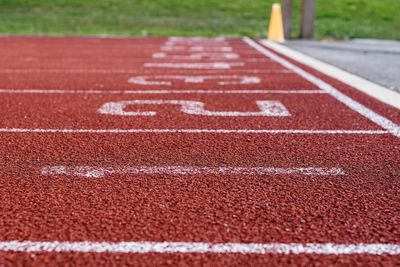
[(249, 161)]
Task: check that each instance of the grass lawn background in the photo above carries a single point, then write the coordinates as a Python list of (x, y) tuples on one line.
[(335, 18)]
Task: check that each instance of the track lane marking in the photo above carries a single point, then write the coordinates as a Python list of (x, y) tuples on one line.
[(62, 91), (99, 172), (198, 65), (116, 59), (197, 48), (197, 56), (166, 80), (194, 131), (383, 122), (200, 247), (267, 108), (126, 71)]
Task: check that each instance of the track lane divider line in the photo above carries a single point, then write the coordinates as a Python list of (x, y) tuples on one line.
[(194, 131), (255, 91), (383, 122), (132, 71), (199, 247), (99, 172)]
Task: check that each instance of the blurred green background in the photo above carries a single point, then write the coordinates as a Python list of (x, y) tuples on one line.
[(336, 19)]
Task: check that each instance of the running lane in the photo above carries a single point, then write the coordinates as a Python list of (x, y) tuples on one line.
[(190, 151)]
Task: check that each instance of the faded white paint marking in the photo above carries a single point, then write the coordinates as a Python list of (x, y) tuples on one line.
[(98, 172), (125, 71), (198, 65), (193, 131), (196, 39), (197, 56), (243, 80), (221, 79), (267, 108), (192, 43), (144, 92), (383, 122), (198, 48), (69, 71), (159, 55), (200, 247), (215, 49)]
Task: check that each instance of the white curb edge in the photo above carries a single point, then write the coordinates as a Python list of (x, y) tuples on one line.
[(372, 89)]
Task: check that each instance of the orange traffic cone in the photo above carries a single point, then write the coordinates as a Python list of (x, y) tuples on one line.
[(275, 32)]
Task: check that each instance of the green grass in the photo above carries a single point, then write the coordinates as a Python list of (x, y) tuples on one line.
[(335, 18)]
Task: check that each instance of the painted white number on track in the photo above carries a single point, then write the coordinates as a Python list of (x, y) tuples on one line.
[(267, 108), (166, 79)]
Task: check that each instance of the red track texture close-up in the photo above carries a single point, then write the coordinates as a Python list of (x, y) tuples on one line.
[(190, 151)]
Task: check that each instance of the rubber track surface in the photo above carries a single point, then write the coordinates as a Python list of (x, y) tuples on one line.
[(70, 172)]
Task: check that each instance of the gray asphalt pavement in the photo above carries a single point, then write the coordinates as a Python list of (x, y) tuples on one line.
[(374, 60)]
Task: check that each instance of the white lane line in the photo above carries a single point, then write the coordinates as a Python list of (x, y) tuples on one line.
[(196, 56), (99, 172), (196, 48), (194, 131), (199, 247), (40, 61), (383, 122), (196, 43), (128, 71), (196, 39), (198, 65), (68, 71), (62, 91)]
